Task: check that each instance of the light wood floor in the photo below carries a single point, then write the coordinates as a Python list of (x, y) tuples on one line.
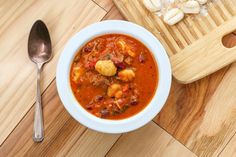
[(199, 119)]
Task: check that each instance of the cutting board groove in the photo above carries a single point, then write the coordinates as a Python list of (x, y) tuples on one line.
[(194, 44)]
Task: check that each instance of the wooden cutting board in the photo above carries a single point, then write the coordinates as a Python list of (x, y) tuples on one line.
[(194, 45)]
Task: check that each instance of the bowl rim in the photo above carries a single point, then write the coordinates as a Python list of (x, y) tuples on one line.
[(104, 125)]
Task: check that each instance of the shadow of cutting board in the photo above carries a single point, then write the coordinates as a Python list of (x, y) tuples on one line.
[(194, 45)]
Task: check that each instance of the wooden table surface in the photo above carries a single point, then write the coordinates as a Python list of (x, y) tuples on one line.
[(194, 121)]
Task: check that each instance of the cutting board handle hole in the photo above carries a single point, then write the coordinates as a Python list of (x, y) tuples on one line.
[(229, 37)]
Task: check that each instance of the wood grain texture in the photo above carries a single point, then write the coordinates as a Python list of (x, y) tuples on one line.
[(218, 123), (61, 130), (113, 14), (98, 143), (230, 149), (229, 40), (194, 45), (105, 4), (78, 142), (66, 137), (201, 115), (18, 73), (150, 140)]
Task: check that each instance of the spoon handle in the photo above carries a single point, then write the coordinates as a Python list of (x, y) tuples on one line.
[(38, 116)]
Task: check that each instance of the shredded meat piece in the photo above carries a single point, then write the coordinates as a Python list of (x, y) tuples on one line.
[(97, 79), (118, 58), (100, 44)]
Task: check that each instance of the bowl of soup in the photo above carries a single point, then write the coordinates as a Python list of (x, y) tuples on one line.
[(113, 76)]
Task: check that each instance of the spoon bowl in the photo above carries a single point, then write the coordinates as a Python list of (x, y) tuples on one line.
[(39, 43)]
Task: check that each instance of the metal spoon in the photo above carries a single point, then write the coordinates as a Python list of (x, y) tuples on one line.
[(40, 52)]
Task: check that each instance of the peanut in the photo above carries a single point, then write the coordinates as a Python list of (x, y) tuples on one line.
[(157, 4), (191, 7), (152, 5), (173, 16)]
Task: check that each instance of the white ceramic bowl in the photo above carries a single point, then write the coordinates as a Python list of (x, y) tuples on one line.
[(113, 126)]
